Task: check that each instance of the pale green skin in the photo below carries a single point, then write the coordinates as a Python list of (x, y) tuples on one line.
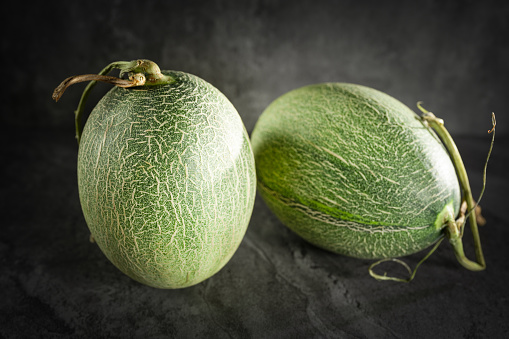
[(354, 171), (167, 180)]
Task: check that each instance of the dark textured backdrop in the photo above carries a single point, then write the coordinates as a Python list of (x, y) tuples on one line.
[(453, 55), (450, 54)]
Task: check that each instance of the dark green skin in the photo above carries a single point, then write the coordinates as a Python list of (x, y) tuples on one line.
[(354, 171), (167, 180)]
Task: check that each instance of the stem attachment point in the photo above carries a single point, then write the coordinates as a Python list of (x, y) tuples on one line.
[(454, 229), (140, 72)]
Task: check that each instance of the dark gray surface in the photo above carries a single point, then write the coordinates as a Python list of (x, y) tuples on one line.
[(54, 283)]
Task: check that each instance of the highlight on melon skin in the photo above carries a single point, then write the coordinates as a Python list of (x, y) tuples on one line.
[(166, 173), (356, 172)]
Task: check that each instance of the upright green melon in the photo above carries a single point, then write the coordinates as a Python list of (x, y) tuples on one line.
[(354, 171), (166, 180)]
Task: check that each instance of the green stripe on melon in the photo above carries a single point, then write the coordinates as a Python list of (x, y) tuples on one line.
[(354, 171), (167, 180)]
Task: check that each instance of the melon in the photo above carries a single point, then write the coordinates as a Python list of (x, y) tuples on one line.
[(166, 180), (354, 171)]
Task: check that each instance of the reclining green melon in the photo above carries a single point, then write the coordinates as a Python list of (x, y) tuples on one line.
[(354, 171)]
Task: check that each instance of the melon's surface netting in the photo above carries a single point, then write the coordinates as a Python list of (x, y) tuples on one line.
[(167, 180), (354, 171)]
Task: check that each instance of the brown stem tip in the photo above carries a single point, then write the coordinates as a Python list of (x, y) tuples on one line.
[(137, 79)]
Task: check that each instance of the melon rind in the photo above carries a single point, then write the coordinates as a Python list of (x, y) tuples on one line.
[(354, 171), (167, 180)]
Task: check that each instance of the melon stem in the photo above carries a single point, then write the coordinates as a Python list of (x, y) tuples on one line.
[(455, 229), (140, 72)]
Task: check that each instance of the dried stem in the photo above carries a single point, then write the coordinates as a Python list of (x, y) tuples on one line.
[(135, 80), (141, 72)]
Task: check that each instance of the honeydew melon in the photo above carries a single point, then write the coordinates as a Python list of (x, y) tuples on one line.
[(354, 171), (166, 179)]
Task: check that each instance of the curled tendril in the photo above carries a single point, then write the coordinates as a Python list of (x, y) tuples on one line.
[(404, 264), (492, 132)]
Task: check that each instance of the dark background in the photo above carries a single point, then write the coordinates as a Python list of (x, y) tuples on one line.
[(453, 55)]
